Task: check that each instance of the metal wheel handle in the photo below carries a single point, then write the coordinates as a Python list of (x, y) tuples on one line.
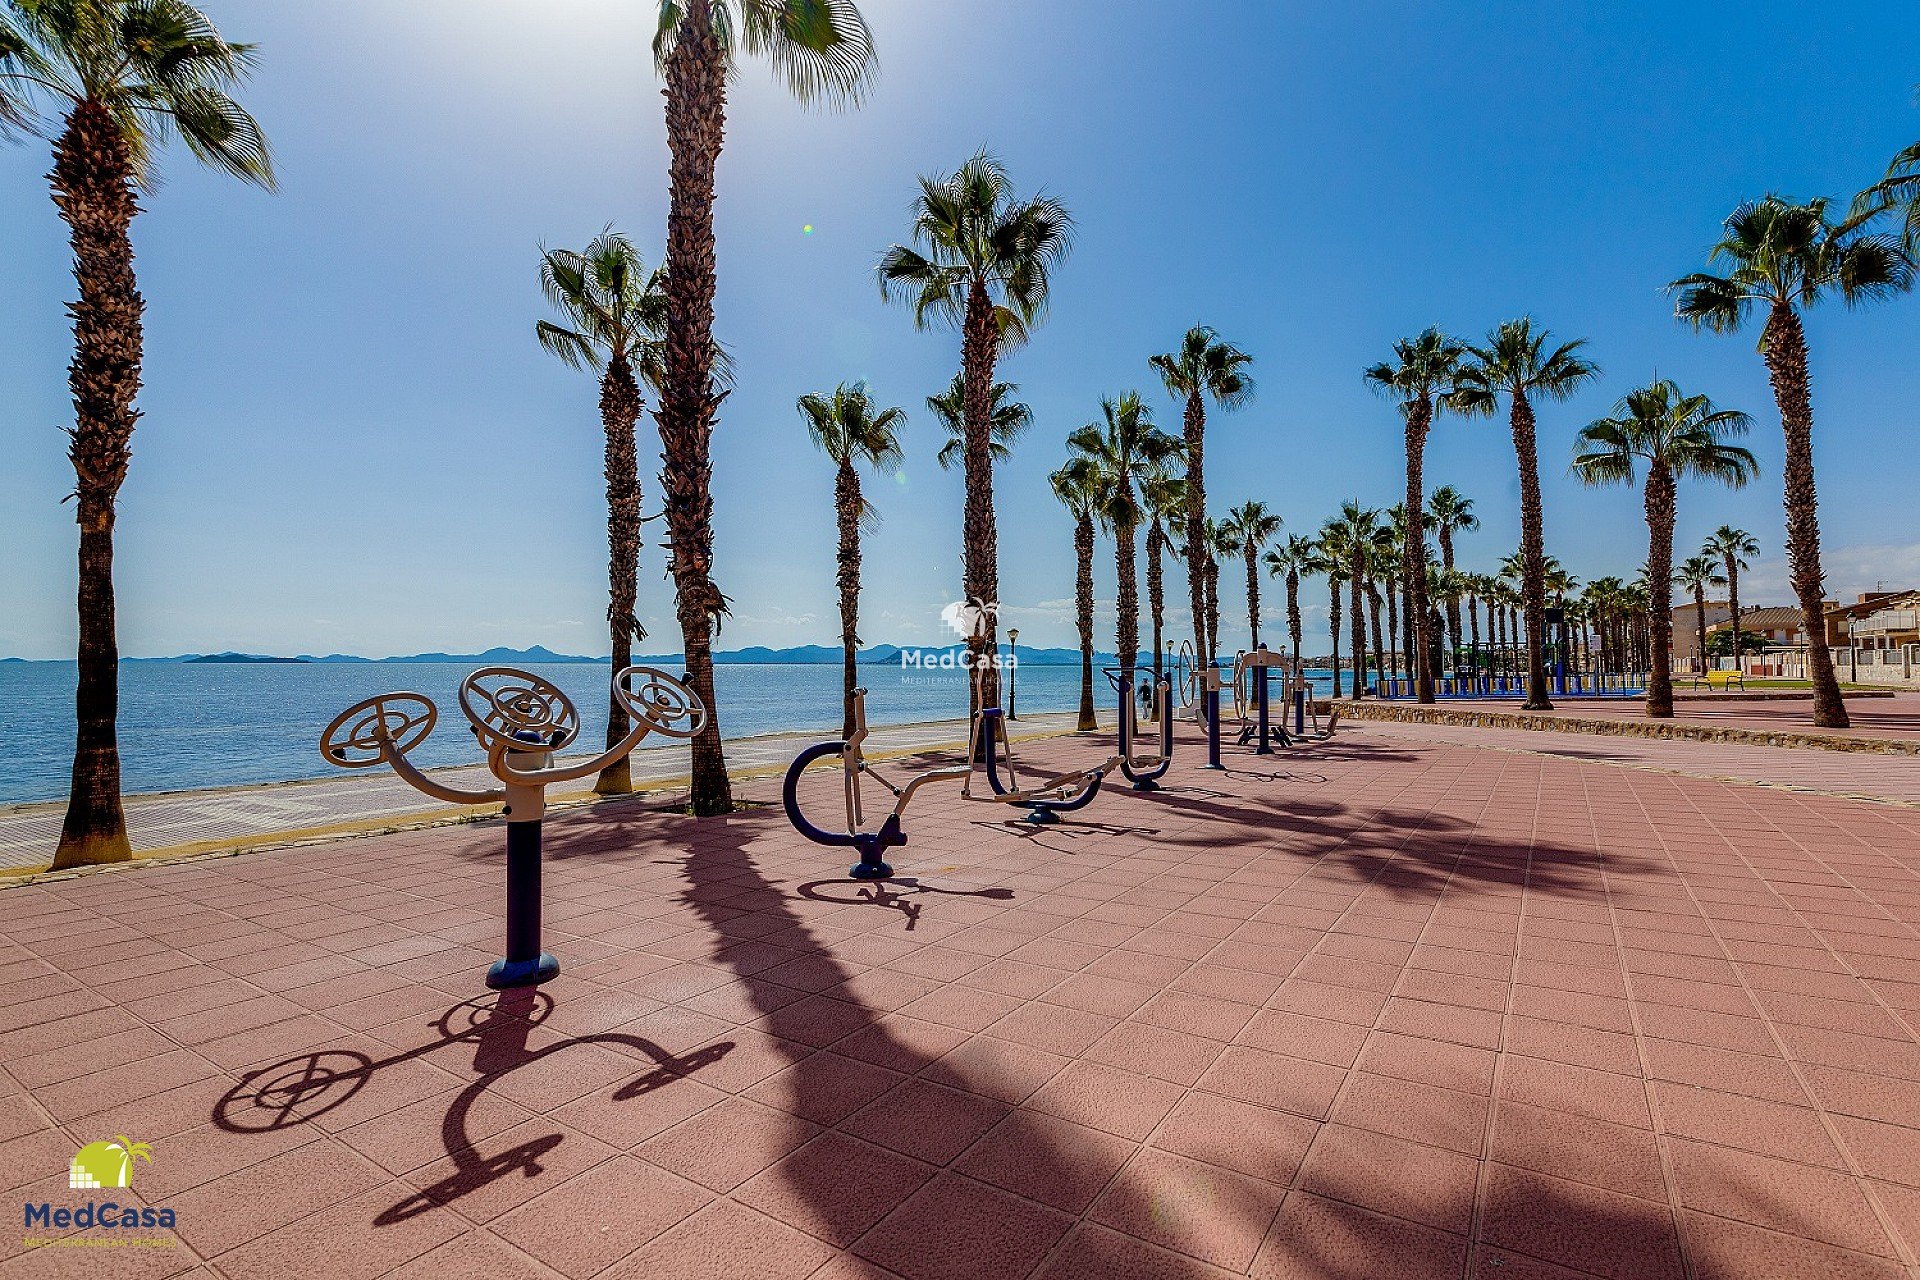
[(662, 702), (504, 703), (353, 740)]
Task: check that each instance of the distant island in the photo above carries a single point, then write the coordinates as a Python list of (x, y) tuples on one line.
[(240, 657), (755, 655)]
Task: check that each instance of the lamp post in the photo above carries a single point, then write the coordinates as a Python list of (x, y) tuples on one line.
[(1013, 652)]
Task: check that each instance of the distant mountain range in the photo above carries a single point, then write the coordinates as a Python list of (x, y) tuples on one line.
[(757, 655)]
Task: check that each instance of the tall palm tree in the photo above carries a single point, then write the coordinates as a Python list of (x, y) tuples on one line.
[(1675, 436), (1517, 362), (1694, 575), (1731, 547), (1164, 497), (1123, 448), (1420, 377), (1077, 485), (1204, 366), (1782, 257), (1358, 526), (616, 314), (982, 259), (1451, 512), (1007, 420), (1332, 556), (1897, 193), (821, 51), (1253, 526), (110, 81), (1294, 557), (851, 429)]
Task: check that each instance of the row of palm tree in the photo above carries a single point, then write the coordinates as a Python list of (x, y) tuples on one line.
[(109, 81)]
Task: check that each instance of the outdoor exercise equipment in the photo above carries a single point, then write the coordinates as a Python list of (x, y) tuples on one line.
[(1145, 772), (1249, 679), (522, 721), (986, 736)]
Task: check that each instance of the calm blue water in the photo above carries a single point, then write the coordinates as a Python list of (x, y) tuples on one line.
[(187, 726)]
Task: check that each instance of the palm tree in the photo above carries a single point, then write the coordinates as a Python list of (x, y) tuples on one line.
[(1694, 575), (1203, 366), (1077, 485), (850, 428), (1253, 526), (1123, 448), (1007, 421), (1517, 362), (1420, 375), (1784, 257), (1674, 436), (1294, 557), (1358, 526), (110, 81), (1164, 497), (1898, 192), (616, 313), (1332, 555), (1732, 547), (984, 260), (822, 52), (1451, 512)]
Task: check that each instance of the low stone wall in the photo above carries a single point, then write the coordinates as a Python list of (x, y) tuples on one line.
[(1810, 739)]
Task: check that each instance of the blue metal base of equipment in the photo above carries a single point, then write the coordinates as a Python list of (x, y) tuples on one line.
[(523, 973), (1041, 817), (870, 871), (1146, 784)]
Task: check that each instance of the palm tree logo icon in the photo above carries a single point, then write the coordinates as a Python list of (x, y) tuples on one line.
[(107, 1164)]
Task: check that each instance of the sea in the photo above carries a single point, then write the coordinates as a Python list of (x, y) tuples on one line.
[(188, 726)]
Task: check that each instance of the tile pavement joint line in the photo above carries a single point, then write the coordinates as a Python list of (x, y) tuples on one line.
[(1886, 1221)]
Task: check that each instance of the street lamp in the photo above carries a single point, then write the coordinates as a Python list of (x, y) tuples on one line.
[(1013, 646)]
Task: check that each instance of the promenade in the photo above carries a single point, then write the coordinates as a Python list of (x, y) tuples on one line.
[(1389, 1008), (186, 822)]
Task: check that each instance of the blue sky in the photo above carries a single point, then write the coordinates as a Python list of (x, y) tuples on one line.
[(352, 442)]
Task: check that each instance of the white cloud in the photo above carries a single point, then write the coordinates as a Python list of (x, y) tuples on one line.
[(1850, 571)]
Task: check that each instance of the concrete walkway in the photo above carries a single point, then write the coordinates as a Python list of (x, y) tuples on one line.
[(369, 799), (1383, 1009)]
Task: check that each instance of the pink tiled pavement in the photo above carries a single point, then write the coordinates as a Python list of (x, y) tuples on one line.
[(1877, 716), (1397, 1006)]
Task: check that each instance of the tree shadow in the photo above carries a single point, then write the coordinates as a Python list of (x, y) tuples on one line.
[(302, 1089), (896, 894)]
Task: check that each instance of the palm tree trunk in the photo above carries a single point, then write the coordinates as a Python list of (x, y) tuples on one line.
[(1127, 621), (1406, 620), (1393, 620), (1445, 532), (1156, 597), (93, 188), (1379, 644), (1733, 604), (620, 415), (847, 506), (1253, 596), (1700, 622), (1533, 554), (1198, 554), (1083, 612), (696, 127), (1414, 560), (1358, 629), (1293, 611), (1333, 624), (1213, 605), (1660, 519), (1786, 354), (981, 565)]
